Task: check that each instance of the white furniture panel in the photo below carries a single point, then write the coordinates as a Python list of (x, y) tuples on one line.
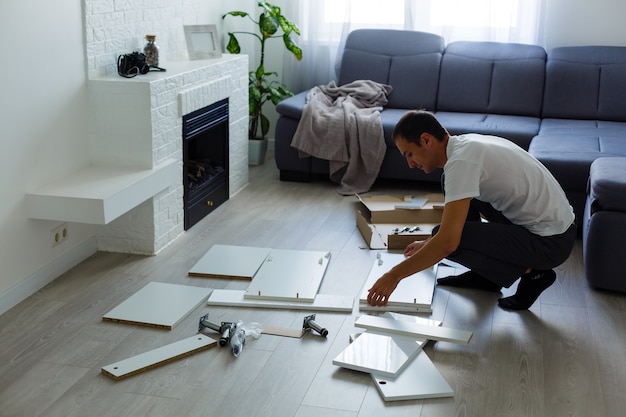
[(385, 355), (159, 356), (224, 261), (158, 305), (415, 292), (419, 380), (322, 302), (289, 275), (418, 330)]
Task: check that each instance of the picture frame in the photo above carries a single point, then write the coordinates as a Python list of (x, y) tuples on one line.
[(202, 41)]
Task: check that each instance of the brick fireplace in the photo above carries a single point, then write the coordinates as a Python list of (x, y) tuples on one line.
[(138, 123)]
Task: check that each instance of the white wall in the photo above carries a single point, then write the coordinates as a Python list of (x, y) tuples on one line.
[(43, 109), (43, 134)]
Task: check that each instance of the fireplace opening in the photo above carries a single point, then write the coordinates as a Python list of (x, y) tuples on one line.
[(205, 161)]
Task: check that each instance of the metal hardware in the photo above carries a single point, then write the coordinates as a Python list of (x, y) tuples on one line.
[(310, 323)]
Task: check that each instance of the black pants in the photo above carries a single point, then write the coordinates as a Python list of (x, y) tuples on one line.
[(501, 251)]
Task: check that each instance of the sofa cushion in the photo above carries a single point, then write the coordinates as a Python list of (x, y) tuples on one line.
[(569, 157), (568, 127), (586, 82), (409, 61), (517, 129), (607, 183), (492, 78)]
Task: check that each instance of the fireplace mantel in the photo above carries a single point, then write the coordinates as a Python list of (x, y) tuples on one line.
[(135, 151)]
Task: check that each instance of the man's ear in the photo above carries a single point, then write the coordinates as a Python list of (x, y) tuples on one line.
[(425, 138)]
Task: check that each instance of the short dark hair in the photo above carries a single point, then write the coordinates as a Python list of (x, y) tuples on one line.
[(415, 122)]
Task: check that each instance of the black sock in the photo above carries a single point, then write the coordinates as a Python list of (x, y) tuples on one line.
[(469, 279), (531, 285)]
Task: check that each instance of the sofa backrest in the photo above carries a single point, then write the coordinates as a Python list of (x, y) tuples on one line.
[(407, 60), (586, 82), (492, 77)]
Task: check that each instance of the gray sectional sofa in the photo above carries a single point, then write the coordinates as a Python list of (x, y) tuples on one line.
[(567, 106)]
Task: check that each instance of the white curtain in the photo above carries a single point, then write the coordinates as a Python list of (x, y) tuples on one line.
[(326, 23)]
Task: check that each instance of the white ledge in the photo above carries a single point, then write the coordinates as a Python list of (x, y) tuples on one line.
[(98, 195)]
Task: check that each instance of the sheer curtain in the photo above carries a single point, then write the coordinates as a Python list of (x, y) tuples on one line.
[(326, 23)]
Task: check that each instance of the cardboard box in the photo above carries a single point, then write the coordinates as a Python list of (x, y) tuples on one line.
[(377, 219)]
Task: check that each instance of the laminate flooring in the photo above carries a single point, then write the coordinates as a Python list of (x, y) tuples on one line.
[(566, 356)]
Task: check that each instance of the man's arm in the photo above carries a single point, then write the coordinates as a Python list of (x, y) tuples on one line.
[(434, 250)]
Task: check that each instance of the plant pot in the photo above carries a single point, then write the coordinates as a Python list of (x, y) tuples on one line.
[(257, 148)]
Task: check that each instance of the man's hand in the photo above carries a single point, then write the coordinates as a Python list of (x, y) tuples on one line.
[(381, 290), (412, 248)]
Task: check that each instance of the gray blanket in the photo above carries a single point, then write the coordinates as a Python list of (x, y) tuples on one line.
[(342, 125)]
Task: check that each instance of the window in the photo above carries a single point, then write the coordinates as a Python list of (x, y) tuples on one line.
[(476, 13), (365, 12)]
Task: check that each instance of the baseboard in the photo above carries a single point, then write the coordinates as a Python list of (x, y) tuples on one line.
[(47, 274)]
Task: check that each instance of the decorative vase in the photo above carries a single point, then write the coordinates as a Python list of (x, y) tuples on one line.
[(257, 148), (151, 51)]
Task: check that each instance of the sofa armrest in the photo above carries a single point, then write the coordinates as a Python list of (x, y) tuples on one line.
[(292, 106)]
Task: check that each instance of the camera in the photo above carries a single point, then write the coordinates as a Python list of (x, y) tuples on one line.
[(130, 65)]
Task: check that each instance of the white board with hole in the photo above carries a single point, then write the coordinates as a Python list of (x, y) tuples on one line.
[(419, 380), (289, 275), (158, 356), (414, 292), (226, 261)]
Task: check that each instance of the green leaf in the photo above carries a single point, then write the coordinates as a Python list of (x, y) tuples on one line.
[(236, 13), (233, 44), (260, 72), (265, 125), (292, 47), (287, 26), (268, 25)]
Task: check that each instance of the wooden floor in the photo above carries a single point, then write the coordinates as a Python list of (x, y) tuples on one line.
[(564, 357)]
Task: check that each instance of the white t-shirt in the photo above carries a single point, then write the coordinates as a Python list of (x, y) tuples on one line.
[(497, 171)]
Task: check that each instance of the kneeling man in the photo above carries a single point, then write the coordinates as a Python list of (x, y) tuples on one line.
[(529, 227)]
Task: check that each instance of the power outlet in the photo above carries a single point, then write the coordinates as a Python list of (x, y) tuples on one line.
[(59, 234)]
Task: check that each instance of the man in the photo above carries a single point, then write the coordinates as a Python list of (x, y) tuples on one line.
[(529, 227)]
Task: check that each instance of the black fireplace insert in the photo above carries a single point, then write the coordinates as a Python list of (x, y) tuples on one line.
[(205, 161)]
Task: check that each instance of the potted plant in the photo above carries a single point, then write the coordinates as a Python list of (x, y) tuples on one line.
[(263, 86)]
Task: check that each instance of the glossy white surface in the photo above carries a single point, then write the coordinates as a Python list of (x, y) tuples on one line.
[(405, 328), (385, 355), (419, 380)]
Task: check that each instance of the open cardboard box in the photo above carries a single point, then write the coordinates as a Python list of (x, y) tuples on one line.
[(377, 217)]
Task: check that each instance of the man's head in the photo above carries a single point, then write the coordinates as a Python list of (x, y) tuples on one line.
[(415, 122), (421, 139)]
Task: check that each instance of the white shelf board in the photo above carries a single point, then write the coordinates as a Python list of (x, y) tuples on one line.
[(322, 302), (414, 293), (158, 356), (158, 304), (390, 326), (289, 275), (98, 195), (225, 261), (419, 380), (385, 355)]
